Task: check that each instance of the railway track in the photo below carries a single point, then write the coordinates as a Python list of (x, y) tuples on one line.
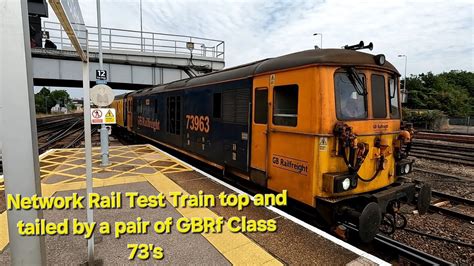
[(60, 133), (461, 207), (451, 152), (444, 176), (391, 249), (457, 206), (444, 136)]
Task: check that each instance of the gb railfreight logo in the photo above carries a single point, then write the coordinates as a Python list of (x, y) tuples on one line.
[(290, 164)]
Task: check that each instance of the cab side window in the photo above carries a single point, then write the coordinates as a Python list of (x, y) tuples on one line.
[(261, 106), (394, 104), (379, 104), (285, 105)]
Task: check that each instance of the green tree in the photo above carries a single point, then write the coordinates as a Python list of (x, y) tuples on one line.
[(450, 92), (42, 102), (46, 99), (60, 97)]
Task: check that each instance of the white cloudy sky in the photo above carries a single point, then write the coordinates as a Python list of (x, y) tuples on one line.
[(435, 35)]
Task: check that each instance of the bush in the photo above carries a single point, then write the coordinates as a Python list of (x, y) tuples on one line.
[(426, 119)]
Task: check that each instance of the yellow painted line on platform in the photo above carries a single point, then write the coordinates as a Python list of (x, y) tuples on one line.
[(236, 247), (3, 231), (49, 190)]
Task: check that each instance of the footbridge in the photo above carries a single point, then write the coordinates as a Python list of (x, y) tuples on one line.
[(133, 59)]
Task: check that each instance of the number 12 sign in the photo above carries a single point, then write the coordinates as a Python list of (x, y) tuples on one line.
[(101, 74)]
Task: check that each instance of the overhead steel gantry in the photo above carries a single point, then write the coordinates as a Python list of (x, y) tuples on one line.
[(133, 59)]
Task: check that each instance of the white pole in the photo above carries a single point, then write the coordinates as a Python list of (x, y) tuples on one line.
[(18, 126), (405, 82), (99, 36), (88, 151), (104, 135), (141, 26), (404, 94)]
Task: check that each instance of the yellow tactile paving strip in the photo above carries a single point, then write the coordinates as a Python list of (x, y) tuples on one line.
[(63, 170)]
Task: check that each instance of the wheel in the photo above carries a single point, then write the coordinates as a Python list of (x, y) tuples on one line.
[(387, 226), (424, 199)]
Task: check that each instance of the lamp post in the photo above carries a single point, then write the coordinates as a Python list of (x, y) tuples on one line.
[(404, 93), (319, 34)]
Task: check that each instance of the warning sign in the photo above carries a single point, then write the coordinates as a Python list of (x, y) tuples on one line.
[(103, 116), (323, 144), (272, 80), (110, 117)]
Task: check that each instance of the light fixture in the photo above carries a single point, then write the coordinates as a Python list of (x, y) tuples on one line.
[(407, 168), (380, 59), (346, 184)]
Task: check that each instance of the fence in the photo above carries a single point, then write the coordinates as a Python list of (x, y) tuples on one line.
[(148, 42), (461, 124)]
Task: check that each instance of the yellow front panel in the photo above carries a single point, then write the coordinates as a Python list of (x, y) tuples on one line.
[(367, 130)]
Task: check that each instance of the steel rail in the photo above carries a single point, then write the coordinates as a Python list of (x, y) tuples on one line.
[(79, 138), (454, 198), (403, 250), (439, 238), (452, 213), (446, 175), (442, 159), (58, 138), (60, 132)]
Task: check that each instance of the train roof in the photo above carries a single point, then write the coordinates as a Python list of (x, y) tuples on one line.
[(337, 57)]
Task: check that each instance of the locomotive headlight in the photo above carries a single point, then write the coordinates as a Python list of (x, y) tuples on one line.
[(380, 59), (404, 167), (346, 184), (407, 168)]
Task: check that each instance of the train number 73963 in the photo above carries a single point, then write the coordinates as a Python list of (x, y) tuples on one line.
[(198, 123)]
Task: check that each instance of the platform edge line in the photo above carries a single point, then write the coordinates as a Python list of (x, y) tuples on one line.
[(325, 235)]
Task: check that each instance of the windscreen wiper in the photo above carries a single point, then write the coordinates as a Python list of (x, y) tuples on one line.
[(356, 81)]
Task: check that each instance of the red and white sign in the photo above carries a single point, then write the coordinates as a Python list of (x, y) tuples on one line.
[(103, 116)]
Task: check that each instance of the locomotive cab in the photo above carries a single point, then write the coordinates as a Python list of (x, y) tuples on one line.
[(331, 134)]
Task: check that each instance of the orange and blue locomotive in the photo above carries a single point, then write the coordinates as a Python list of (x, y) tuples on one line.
[(323, 124)]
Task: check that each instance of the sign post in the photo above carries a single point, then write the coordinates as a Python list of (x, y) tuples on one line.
[(88, 155), (70, 16), (101, 78)]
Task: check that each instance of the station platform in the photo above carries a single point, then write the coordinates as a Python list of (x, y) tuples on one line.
[(149, 171)]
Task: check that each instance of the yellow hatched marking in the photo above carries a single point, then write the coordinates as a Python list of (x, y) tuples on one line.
[(48, 190), (236, 247), (75, 182)]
